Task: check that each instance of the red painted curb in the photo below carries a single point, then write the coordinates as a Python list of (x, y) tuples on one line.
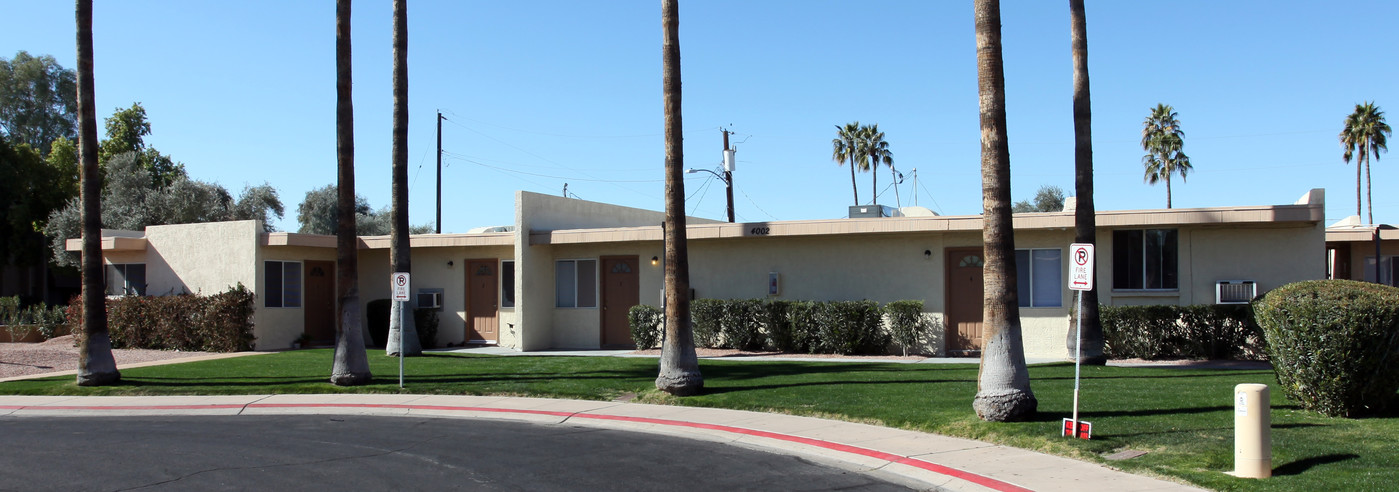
[(833, 446)]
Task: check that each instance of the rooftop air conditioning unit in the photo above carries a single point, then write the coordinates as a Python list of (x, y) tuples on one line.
[(430, 299), (1235, 291)]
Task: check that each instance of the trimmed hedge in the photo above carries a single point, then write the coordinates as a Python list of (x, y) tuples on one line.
[(1210, 331), (645, 322), (705, 317), (1334, 344), (218, 323), (426, 321), (907, 325)]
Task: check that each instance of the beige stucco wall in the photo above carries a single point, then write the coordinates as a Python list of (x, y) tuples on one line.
[(431, 271), (277, 327)]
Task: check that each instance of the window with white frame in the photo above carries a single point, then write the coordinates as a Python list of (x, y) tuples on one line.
[(507, 283), (282, 284), (1040, 277), (1144, 259), (126, 279), (575, 283)]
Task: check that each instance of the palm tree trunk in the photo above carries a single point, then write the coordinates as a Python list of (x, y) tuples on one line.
[(1168, 189), (1088, 329), (401, 322), (679, 372), (96, 366), (1358, 204), (856, 189), (351, 365), (874, 183), (1003, 390), (1369, 205)]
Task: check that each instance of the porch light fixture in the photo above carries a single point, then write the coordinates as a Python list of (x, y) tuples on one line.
[(655, 261), (927, 253)]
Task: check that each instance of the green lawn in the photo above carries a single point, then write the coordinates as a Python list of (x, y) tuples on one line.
[(1183, 418)]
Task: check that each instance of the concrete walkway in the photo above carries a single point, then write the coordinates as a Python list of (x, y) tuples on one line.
[(941, 462)]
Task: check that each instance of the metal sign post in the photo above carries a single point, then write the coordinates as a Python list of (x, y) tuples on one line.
[(400, 287), (1080, 279)]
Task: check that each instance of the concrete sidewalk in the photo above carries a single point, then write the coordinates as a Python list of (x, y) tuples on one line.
[(942, 462)]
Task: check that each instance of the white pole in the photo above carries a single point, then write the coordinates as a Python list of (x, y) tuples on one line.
[(1078, 357), (403, 319)]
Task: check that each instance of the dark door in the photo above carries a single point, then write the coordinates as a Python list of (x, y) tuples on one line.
[(482, 301), (621, 289), (319, 303), (964, 300)]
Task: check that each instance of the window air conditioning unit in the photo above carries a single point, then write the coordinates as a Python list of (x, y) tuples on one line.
[(1235, 291), (430, 299)]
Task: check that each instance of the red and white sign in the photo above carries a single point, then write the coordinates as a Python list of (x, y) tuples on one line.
[(1085, 429), (1080, 266), (399, 284)]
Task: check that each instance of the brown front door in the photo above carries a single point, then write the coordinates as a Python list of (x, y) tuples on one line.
[(621, 289), (319, 301), (964, 300), (482, 291)]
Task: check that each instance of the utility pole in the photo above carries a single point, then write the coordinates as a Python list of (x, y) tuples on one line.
[(728, 172), (439, 172)]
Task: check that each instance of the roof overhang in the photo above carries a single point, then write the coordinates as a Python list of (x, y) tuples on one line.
[(384, 242), (1361, 233), (1304, 214), (110, 243)]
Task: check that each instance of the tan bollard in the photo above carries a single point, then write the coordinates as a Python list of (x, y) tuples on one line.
[(1253, 438)]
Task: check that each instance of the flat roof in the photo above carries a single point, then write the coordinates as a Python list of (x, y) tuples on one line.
[(384, 242)]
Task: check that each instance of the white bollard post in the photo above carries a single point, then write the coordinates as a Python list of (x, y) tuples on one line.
[(1253, 439)]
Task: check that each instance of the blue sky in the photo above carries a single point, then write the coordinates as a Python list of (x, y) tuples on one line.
[(538, 94)]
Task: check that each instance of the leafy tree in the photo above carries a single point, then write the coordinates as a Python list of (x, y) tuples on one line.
[(38, 100), (1162, 140), (1364, 137), (876, 150), (126, 132), (846, 147), (679, 367), (319, 214), (63, 158), (1049, 198), (96, 366), (1003, 388), (131, 202), (1085, 215), (401, 322), (27, 197), (350, 366)]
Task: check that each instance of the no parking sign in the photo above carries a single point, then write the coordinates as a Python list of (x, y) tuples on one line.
[(1081, 269)]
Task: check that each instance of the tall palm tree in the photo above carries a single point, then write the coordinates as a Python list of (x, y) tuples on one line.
[(846, 147), (679, 373), (1085, 215), (401, 322), (96, 366), (1162, 140), (876, 150), (1364, 136), (351, 364), (1003, 389)]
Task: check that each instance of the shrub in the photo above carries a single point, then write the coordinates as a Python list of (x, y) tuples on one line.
[(704, 319), (850, 327), (1144, 332), (377, 313), (426, 321), (776, 320), (1222, 331), (218, 323), (806, 326), (907, 326), (741, 326), (1333, 344), (645, 323)]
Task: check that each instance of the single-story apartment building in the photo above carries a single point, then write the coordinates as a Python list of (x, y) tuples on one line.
[(1351, 249), (565, 273)]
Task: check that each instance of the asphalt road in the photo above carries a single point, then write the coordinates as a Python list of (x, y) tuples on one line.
[(332, 452)]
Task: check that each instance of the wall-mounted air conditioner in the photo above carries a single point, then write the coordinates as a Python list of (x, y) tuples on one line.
[(1234, 291), (430, 299)]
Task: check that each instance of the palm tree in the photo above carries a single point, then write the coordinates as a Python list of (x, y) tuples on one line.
[(1364, 134), (846, 147), (876, 150), (1085, 216), (401, 320), (351, 364), (1003, 389), (1162, 141), (679, 373), (96, 366)]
